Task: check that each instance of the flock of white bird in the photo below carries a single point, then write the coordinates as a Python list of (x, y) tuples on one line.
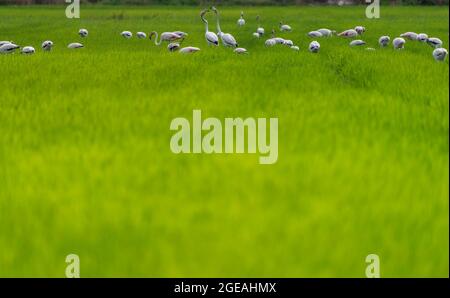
[(212, 39)]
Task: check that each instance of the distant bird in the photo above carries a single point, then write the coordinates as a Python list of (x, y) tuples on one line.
[(181, 33), (8, 48), (270, 42), (326, 32), (47, 45), (314, 47), (288, 42), (422, 37), (350, 33), (360, 30), (75, 45), (28, 50), (315, 34), (173, 46), (188, 50), (434, 42), (260, 30), (141, 35), (409, 35), (227, 39), (255, 34), (285, 28), (398, 43), (357, 42), (384, 41), (440, 54), (240, 51), (127, 34), (295, 48), (241, 21), (83, 32), (165, 36), (211, 37)]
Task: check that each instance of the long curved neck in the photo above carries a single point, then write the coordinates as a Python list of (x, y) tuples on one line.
[(218, 23), (156, 39), (206, 23)]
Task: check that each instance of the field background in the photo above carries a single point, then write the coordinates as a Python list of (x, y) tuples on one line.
[(85, 164)]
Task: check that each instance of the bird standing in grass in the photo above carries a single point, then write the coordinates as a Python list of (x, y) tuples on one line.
[(241, 21), (285, 27), (211, 37), (165, 36), (399, 43), (440, 54), (227, 39), (350, 33), (384, 41), (260, 30)]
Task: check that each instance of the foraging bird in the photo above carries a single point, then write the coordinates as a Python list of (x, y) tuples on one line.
[(28, 50), (440, 54), (188, 50), (434, 42), (384, 40), (8, 48), (422, 37), (47, 45), (357, 42), (240, 51), (211, 37), (288, 42), (127, 34), (83, 32), (270, 42), (398, 43), (326, 32), (181, 33), (315, 34), (165, 36), (314, 47), (360, 30), (259, 30), (227, 39), (350, 33), (75, 45), (409, 35), (241, 21), (173, 46), (285, 28), (141, 35)]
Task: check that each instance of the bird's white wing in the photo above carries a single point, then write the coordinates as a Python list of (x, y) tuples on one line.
[(212, 37), (229, 39)]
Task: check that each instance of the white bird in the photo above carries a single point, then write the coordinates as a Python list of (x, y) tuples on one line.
[(240, 51), (422, 37), (288, 42), (409, 35), (227, 39), (255, 34), (173, 46), (360, 30), (8, 48), (434, 42), (384, 40), (127, 34), (75, 45), (211, 37), (47, 45), (357, 42), (398, 43), (350, 33), (285, 28), (315, 34), (28, 50), (241, 21), (188, 50), (314, 47), (260, 30), (165, 36), (440, 54), (270, 42), (326, 32), (295, 48), (5, 42), (181, 33), (141, 35), (83, 32)]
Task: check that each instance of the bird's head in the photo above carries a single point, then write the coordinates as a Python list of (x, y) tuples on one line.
[(153, 33), (213, 8), (203, 12)]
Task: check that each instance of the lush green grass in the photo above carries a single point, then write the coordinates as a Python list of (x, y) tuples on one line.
[(85, 164)]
